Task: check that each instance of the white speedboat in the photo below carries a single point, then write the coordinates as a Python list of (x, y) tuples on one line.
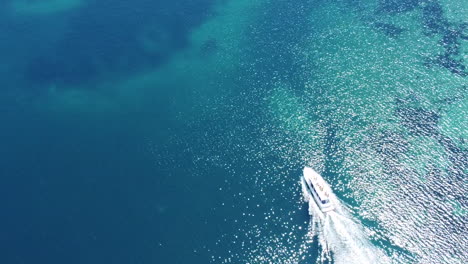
[(318, 189)]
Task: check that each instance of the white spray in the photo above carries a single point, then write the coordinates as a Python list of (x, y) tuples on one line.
[(340, 235)]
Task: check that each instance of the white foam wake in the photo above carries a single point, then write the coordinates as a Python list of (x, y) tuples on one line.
[(340, 236)]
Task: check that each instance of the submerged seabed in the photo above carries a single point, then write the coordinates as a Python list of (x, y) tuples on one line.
[(143, 131)]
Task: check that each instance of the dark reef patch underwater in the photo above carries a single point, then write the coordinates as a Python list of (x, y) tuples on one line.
[(176, 131), (102, 36)]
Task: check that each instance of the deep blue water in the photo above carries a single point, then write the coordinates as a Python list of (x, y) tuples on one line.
[(127, 139)]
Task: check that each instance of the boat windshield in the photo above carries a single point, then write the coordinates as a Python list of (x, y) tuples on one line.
[(325, 201)]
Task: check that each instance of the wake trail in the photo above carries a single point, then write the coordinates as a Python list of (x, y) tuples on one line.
[(342, 238)]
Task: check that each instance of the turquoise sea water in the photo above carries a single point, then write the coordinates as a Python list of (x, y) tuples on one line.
[(176, 131)]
